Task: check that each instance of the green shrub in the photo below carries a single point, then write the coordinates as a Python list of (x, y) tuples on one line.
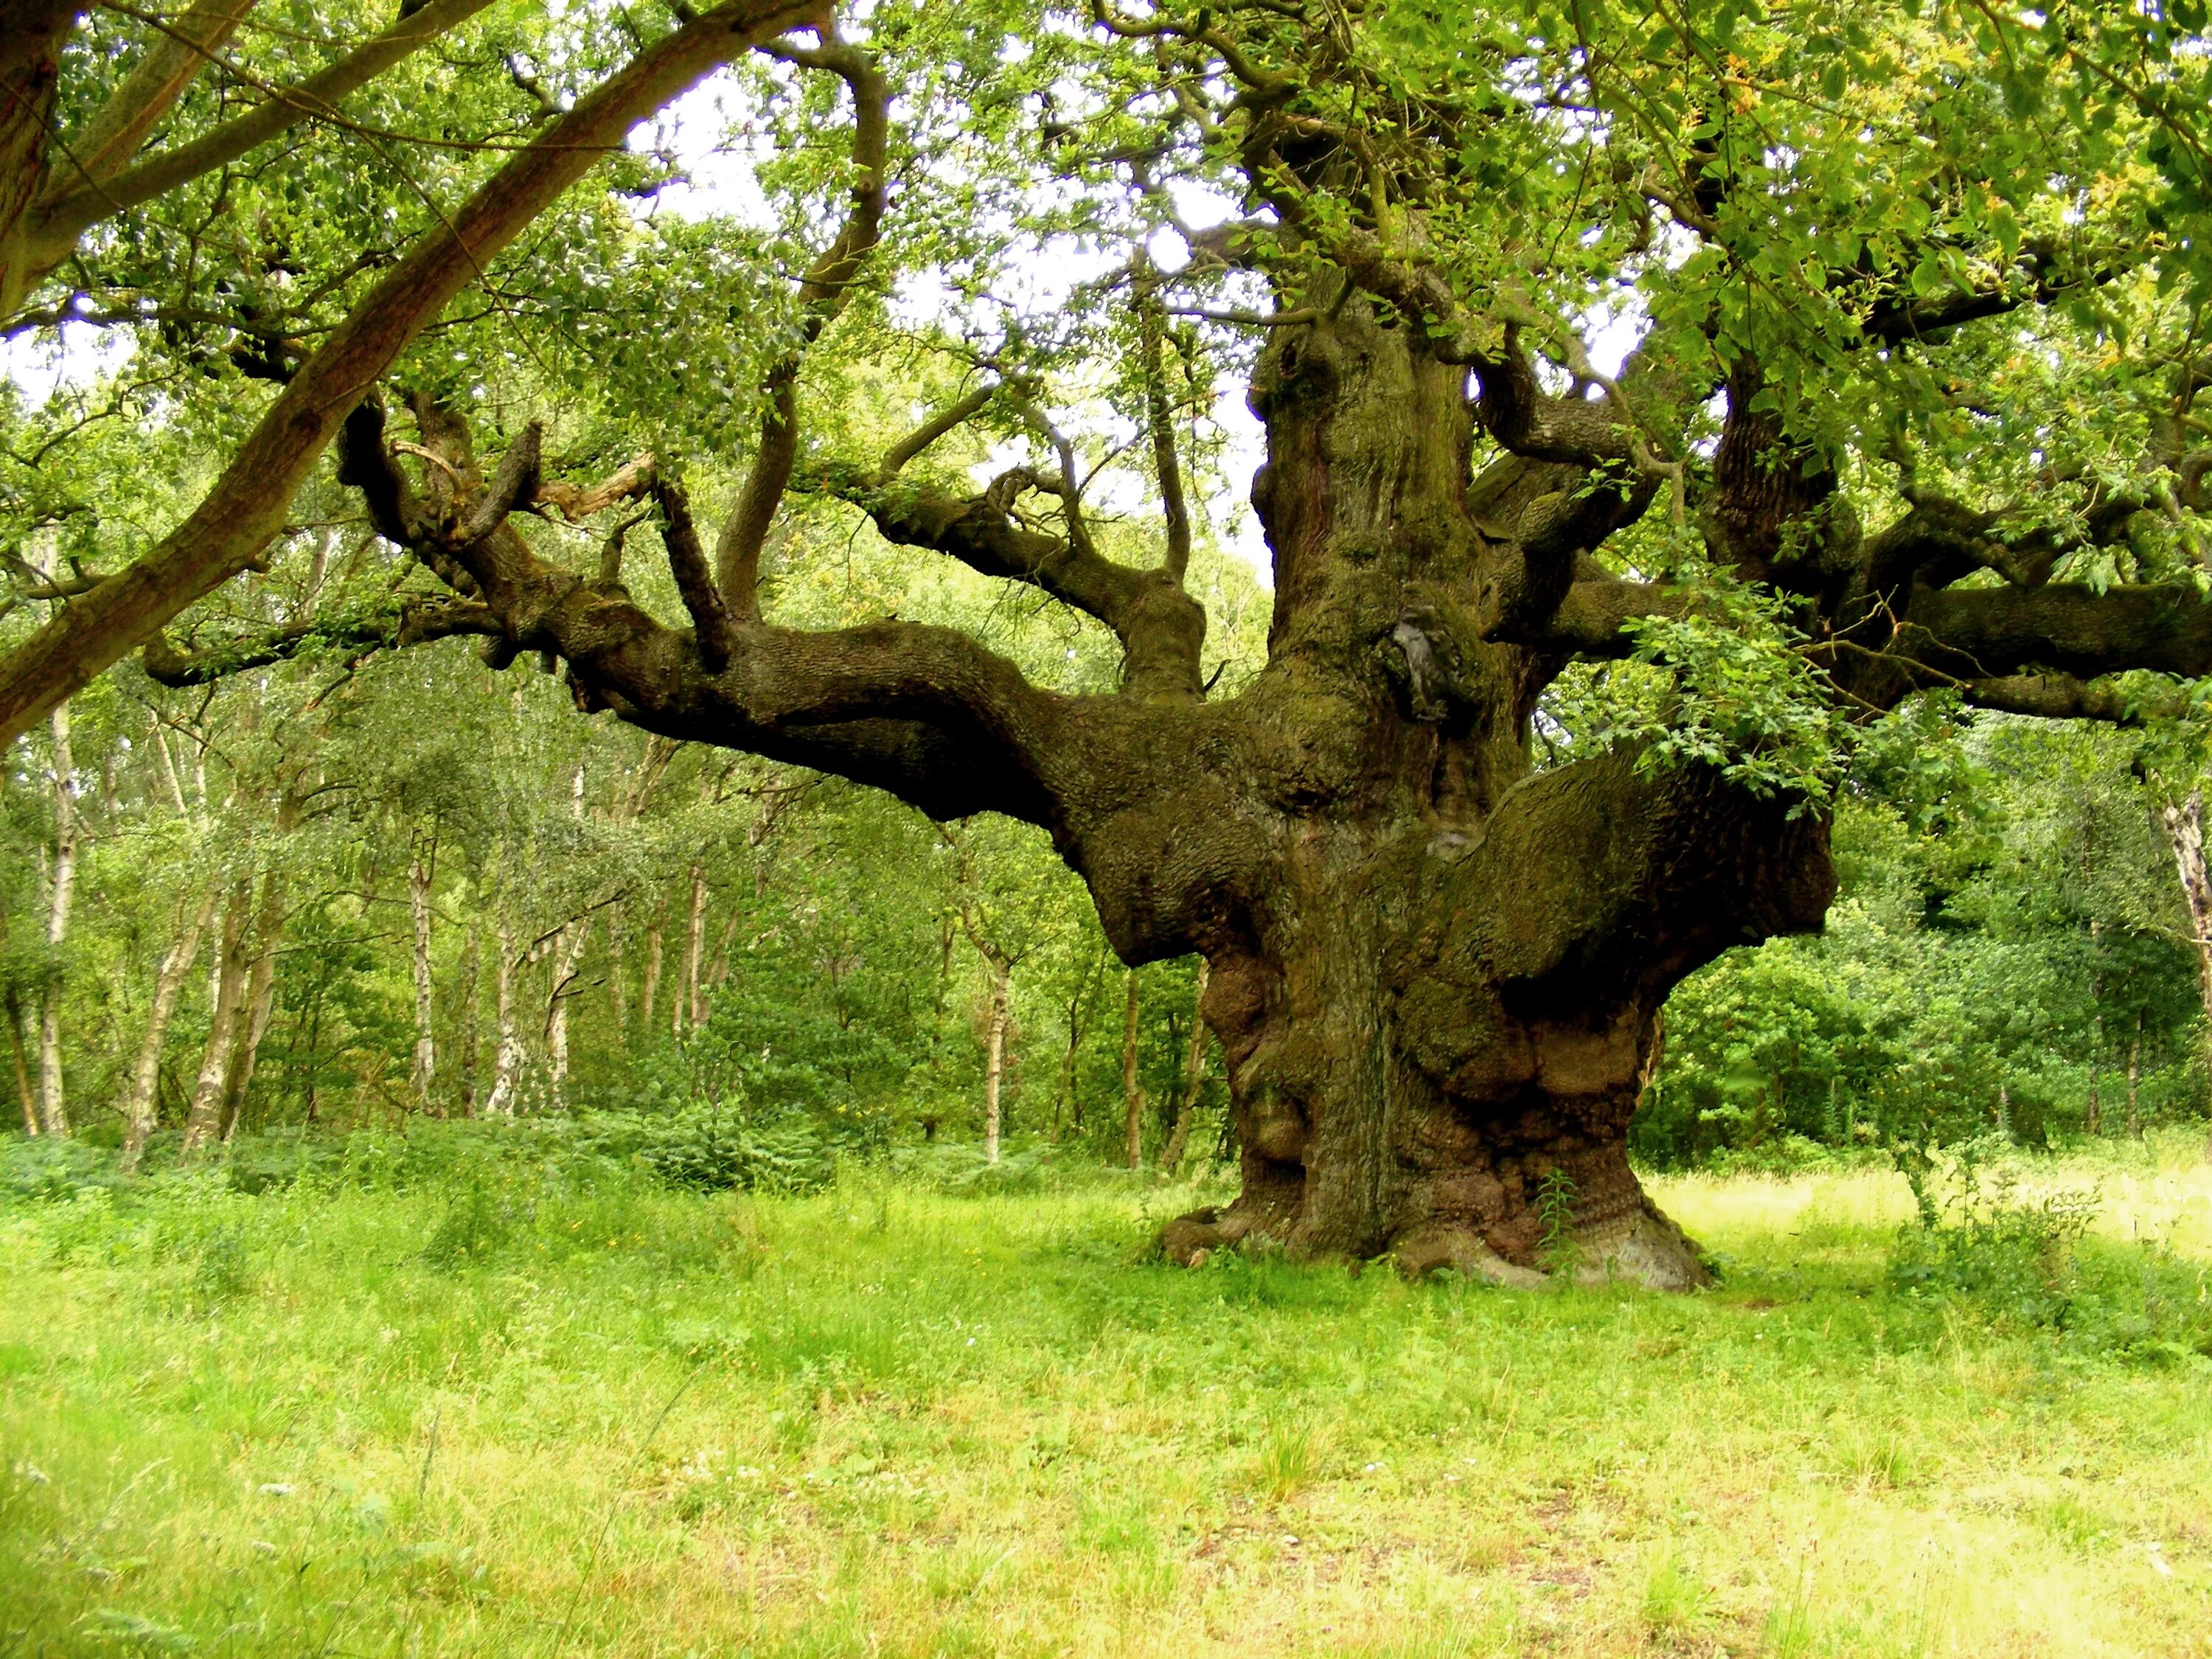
[(47, 1171)]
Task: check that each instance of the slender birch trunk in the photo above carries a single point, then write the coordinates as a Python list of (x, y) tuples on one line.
[(687, 995), (720, 969), (53, 1111), (169, 768), (994, 1057), (2135, 1071), (139, 1113), (567, 957), (507, 1063), (23, 1088), (472, 1013), (2185, 833), (1194, 1079), (204, 1121), (619, 970), (1133, 1092), (260, 1002), (651, 988), (2096, 1055), (425, 1044)]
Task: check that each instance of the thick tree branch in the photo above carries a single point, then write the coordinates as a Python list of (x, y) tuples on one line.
[(1991, 632), (75, 204), (1174, 510), (1161, 628), (380, 628), (170, 63), (695, 578), (822, 294), (2062, 696), (247, 505)]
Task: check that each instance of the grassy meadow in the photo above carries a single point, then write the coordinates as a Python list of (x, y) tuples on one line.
[(540, 1417)]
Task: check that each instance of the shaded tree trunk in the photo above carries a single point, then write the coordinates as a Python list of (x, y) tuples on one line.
[(53, 1110), (261, 998), (471, 1014), (507, 1062), (23, 1088), (618, 971), (424, 1073), (2135, 1073), (2096, 1051), (139, 1114), (2183, 824), (567, 955), (994, 1058), (1194, 1079), (720, 969), (204, 1121), (1133, 1090), (690, 1000), (653, 953)]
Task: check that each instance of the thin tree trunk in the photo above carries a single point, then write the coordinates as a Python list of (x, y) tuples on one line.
[(720, 969), (169, 768), (994, 1059), (53, 1111), (648, 992), (204, 1121), (2096, 1053), (507, 1062), (2004, 1112), (1194, 1079), (472, 1013), (1133, 1092), (425, 1044), (139, 1115), (260, 1002), (2184, 834), (567, 956), (618, 971), (23, 1068), (2135, 1071), (687, 995)]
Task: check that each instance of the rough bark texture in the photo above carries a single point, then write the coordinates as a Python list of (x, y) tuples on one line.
[(2184, 822), (260, 1002), (138, 1102), (568, 954), (203, 1123)]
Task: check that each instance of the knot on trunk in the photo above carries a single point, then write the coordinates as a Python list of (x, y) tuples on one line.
[(1425, 663)]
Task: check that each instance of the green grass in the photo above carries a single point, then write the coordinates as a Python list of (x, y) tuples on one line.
[(532, 1420)]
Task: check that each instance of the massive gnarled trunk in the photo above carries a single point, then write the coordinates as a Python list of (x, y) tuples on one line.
[(1435, 972), (1435, 968)]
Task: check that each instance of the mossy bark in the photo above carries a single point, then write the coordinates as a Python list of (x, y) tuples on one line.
[(1436, 972)]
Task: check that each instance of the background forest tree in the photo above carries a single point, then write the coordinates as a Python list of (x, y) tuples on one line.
[(1560, 666)]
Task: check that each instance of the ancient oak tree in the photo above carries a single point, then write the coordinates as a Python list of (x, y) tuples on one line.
[(1647, 395)]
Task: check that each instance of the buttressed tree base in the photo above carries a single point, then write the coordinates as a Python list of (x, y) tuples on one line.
[(1912, 406)]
